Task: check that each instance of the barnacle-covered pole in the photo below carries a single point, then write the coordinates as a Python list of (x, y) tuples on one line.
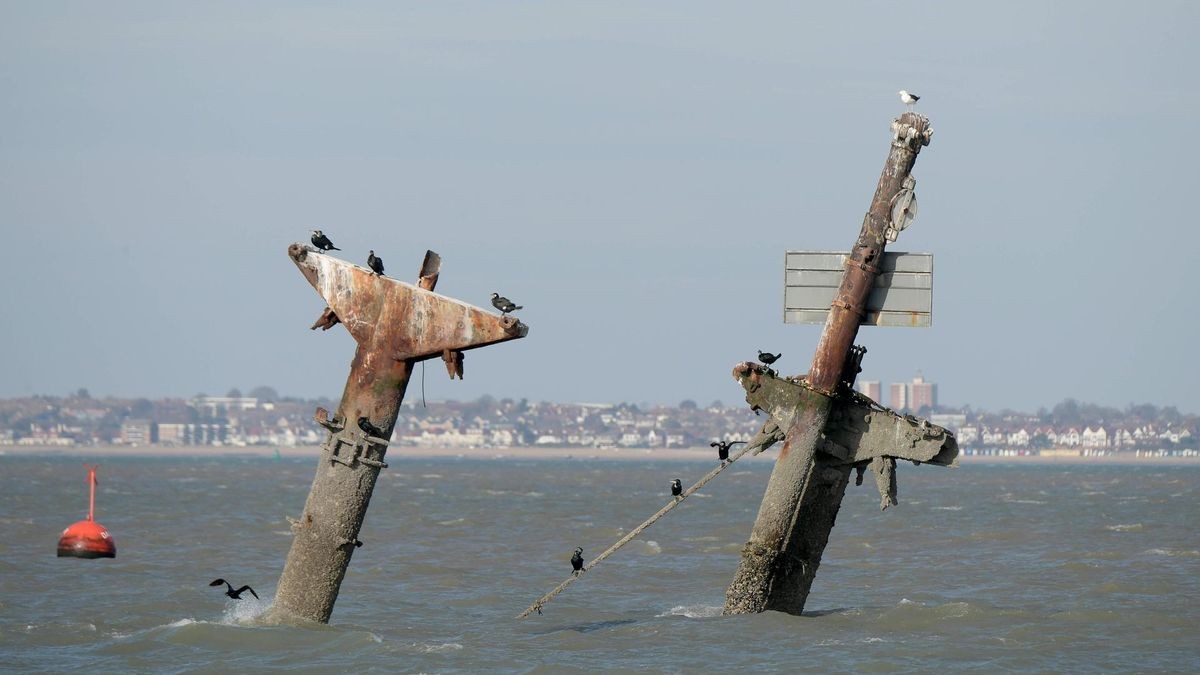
[(807, 485), (396, 325)]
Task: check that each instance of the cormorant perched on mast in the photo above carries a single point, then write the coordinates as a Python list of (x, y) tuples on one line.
[(577, 561), (236, 595), (504, 304), (676, 488), (322, 242), (375, 263), (767, 357)]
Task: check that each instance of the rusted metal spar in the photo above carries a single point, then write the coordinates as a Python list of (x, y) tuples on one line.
[(395, 325), (806, 487)]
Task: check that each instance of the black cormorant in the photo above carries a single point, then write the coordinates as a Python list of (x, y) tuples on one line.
[(322, 242), (375, 263), (504, 304), (767, 357), (236, 595)]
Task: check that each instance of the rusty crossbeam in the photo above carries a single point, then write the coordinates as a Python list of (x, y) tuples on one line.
[(806, 487), (395, 325)]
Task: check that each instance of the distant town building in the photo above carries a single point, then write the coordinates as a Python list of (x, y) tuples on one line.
[(136, 432), (951, 421), (922, 394), (872, 389), (916, 395), (215, 404), (1094, 439)]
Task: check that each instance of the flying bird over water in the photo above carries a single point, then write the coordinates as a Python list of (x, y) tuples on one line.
[(767, 357), (322, 242), (375, 263), (236, 595), (908, 99), (504, 304), (577, 561), (676, 488), (723, 448)]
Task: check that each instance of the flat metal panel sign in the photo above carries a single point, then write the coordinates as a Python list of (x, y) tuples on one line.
[(902, 296)]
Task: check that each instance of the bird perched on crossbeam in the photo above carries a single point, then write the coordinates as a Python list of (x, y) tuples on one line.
[(375, 263), (322, 242), (676, 488), (235, 594), (908, 99), (767, 357), (504, 304)]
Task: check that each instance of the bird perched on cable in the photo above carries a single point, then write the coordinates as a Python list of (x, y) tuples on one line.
[(723, 448), (375, 263), (322, 242), (236, 595), (676, 488), (504, 304), (577, 561), (908, 99), (767, 357)]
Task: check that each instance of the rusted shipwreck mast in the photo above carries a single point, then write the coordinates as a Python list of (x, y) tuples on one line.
[(828, 431), (395, 325)]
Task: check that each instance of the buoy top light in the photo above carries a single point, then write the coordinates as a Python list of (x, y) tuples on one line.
[(87, 538)]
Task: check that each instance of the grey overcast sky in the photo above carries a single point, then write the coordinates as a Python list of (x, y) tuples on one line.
[(631, 172)]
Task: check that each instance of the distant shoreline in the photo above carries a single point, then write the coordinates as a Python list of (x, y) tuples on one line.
[(531, 453)]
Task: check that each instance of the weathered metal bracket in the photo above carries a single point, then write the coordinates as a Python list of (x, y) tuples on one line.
[(358, 445), (321, 416), (855, 434)]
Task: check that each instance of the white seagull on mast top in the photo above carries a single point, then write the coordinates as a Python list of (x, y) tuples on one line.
[(908, 99)]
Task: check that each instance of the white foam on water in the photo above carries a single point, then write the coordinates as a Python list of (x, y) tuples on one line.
[(439, 648), (534, 494), (431, 475), (1173, 552), (1024, 501), (452, 522), (947, 508), (652, 547), (244, 611), (694, 611), (1133, 527), (829, 643)]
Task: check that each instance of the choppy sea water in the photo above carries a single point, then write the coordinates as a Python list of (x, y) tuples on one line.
[(992, 567)]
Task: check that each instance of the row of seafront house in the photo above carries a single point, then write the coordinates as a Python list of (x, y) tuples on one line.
[(488, 423), (981, 439), (245, 421)]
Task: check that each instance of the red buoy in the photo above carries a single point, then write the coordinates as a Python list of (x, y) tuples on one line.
[(87, 538)]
